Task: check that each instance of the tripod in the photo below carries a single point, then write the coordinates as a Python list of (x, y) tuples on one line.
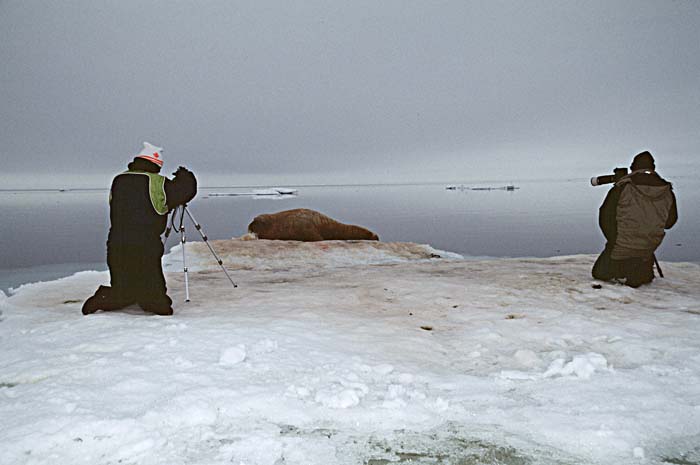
[(181, 229)]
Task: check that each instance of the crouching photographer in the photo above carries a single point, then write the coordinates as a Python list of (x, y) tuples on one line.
[(633, 217)]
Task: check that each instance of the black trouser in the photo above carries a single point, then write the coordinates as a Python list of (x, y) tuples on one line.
[(636, 271), (136, 277)]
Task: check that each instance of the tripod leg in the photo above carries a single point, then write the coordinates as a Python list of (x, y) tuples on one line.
[(198, 227), (184, 263), (658, 267)]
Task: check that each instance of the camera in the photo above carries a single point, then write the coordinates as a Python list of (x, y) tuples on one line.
[(618, 173)]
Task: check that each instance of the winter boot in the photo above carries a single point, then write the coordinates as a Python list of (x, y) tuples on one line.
[(106, 299), (99, 301), (639, 271)]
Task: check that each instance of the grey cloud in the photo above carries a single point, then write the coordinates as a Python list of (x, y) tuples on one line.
[(314, 86)]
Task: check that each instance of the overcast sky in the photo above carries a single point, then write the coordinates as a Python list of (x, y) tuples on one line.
[(356, 91)]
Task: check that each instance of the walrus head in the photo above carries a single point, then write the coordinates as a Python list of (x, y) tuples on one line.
[(259, 224)]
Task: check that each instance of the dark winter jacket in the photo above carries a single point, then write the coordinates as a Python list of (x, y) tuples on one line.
[(635, 213), (133, 216)]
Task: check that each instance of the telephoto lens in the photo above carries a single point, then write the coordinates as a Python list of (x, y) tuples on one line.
[(618, 173), (600, 180)]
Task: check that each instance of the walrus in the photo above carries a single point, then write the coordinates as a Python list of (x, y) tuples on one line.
[(306, 225)]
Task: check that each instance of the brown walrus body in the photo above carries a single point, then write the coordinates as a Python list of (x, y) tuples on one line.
[(306, 225)]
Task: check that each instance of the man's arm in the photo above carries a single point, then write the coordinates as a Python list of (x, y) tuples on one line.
[(672, 214), (181, 189), (607, 215)]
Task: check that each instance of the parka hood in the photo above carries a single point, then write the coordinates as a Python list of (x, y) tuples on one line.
[(648, 183), (141, 164)]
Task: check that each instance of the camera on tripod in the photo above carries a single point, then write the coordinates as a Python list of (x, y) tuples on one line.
[(618, 173)]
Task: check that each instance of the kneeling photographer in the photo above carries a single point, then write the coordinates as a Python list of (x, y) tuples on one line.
[(139, 202), (633, 217)]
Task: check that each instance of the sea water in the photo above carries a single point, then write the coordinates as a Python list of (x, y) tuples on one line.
[(48, 234)]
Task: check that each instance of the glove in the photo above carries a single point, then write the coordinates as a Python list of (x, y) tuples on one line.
[(181, 170), (183, 176)]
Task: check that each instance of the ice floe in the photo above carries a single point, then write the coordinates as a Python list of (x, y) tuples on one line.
[(318, 357)]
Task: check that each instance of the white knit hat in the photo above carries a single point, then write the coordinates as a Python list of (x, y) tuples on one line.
[(151, 153)]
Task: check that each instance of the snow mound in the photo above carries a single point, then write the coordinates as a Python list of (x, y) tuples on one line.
[(246, 254), (582, 366), (232, 355)]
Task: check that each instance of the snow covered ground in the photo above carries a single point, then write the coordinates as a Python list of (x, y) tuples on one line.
[(356, 353)]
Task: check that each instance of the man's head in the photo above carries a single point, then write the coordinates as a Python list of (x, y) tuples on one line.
[(643, 161)]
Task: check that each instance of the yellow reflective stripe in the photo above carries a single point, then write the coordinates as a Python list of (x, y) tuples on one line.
[(157, 191)]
